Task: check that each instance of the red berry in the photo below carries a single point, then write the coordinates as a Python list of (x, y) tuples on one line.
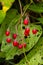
[(8, 40), (26, 34), (24, 45), (15, 43), (34, 31), (14, 36), (27, 30), (20, 46), (7, 33), (26, 22)]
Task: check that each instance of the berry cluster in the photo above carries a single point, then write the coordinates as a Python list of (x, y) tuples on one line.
[(27, 30), (26, 33), (15, 43)]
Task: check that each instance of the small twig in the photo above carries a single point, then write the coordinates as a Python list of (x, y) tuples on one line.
[(25, 10), (31, 1), (20, 16), (16, 26), (25, 53), (25, 56), (20, 6)]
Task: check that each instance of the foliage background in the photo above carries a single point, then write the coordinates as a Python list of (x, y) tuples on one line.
[(9, 15)]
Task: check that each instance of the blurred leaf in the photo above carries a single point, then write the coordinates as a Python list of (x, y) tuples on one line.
[(5, 9), (10, 15), (7, 3), (2, 16), (36, 8), (35, 55), (26, 7), (2, 54), (10, 50), (41, 20)]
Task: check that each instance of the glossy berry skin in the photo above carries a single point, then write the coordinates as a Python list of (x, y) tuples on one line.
[(27, 31), (14, 36), (8, 40), (34, 31), (7, 33), (24, 45), (15, 43), (26, 22), (20, 46)]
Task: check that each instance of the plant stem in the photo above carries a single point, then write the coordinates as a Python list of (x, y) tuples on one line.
[(20, 20), (20, 6), (25, 53), (31, 1), (25, 10), (23, 46), (20, 16), (25, 56)]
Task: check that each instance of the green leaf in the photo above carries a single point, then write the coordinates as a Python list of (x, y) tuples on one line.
[(2, 16), (2, 54), (35, 55), (7, 3), (36, 8), (26, 7), (41, 20), (10, 50), (10, 15), (9, 47)]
